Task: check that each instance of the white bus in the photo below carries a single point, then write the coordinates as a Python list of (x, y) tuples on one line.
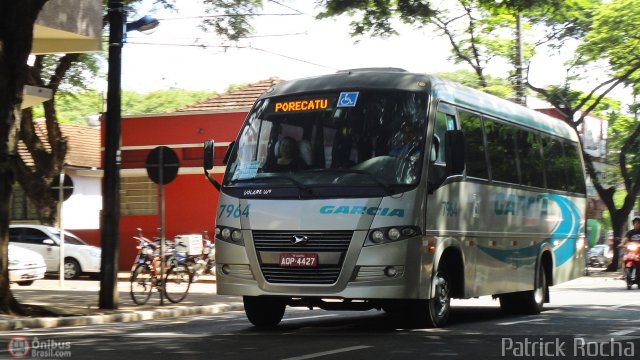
[(383, 189)]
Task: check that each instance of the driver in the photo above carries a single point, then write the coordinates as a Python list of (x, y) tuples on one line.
[(634, 233)]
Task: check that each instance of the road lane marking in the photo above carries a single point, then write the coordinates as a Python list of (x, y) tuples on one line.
[(623, 305), (520, 322), (330, 352), (623, 332), (309, 317)]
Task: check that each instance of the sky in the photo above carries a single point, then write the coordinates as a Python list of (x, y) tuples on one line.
[(285, 46)]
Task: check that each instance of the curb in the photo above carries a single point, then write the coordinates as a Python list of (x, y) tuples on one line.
[(125, 316)]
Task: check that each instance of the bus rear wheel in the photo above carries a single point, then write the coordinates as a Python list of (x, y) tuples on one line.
[(264, 312), (527, 302)]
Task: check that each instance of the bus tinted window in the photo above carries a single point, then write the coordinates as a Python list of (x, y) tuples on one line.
[(554, 162), (501, 149), (575, 174), (475, 161), (529, 158)]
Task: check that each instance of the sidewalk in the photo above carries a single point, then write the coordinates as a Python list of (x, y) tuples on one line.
[(76, 303)]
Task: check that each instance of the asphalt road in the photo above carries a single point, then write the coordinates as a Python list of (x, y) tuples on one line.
[(588, 318)]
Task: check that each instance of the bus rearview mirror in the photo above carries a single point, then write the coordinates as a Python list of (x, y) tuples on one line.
[(209, 147), (454, 151)]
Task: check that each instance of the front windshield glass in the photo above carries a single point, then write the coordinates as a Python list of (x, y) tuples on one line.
[(69, 238), (370, 138)]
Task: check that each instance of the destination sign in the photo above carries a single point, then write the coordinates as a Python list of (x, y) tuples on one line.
[(301, 105)]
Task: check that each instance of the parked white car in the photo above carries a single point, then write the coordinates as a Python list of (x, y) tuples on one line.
[(79, 257), (25, 266)]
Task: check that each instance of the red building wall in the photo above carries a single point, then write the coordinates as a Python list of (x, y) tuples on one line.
[(190, 200)]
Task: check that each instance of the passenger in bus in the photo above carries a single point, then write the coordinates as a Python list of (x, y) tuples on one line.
[(404, 142), (288, 157)]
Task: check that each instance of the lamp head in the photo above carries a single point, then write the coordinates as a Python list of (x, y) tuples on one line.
[(145, 23)]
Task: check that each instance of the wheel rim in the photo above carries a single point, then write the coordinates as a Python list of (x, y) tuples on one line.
[(70, 270), (141, 285), (538, 294), (177, 283), (442, 296)]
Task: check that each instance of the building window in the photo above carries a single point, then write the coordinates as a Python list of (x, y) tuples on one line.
[(21, 207), (138, 196)]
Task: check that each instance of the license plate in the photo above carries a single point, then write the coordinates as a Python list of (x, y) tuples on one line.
[(298, 260)]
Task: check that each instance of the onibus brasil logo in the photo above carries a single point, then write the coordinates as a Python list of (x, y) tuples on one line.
[(20, 347)]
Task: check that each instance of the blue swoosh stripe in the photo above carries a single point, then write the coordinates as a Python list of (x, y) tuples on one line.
[(565, 232)]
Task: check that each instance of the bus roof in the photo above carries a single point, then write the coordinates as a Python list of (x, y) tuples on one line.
[(443, 89)]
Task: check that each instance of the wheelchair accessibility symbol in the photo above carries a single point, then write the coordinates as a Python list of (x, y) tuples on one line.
[(347, 99)]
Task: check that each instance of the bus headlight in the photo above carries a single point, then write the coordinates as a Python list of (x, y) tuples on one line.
[(236, 235), (393, 234), (230, 235), (390, 234), (377, 236)]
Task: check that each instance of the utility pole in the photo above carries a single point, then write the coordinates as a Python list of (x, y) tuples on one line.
[(110, 224)]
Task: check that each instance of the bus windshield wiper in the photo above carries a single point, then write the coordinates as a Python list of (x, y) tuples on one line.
[(300, 185)]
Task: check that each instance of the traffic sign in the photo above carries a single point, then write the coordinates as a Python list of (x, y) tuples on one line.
[(67, 187), (162, 165)]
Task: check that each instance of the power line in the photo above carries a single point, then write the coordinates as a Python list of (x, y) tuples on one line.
[(224, 15), (244, 37), (287, 6), (293, 58), (240, 47)]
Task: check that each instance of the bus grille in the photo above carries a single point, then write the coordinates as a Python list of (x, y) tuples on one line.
[(321, 275), (318, 241)]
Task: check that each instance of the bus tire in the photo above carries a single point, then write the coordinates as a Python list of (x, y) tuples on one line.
[(527, 302), (264, 312), (439, 307)]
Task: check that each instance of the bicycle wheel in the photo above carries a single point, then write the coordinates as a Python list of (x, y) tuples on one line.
[(141, 284), (177, 283)]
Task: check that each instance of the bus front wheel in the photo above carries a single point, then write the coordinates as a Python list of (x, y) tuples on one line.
[(264, 312), (439, 306)]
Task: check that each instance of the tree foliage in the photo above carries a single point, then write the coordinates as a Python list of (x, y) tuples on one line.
[(610, 46), (75, 107), (613, 39), (161, 101), (231, 18), (495, 86)]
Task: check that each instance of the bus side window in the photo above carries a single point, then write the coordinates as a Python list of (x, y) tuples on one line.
[(437, 162), (475, 158)]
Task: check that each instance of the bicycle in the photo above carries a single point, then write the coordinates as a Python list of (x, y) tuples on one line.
[(145, 275)]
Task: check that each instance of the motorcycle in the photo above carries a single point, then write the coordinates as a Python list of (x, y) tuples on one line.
[(631, 262), (599, 256), (146, 249), (149, 251), (205, 261)]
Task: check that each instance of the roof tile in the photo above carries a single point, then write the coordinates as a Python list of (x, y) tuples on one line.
[(242, 98), (83, 149)]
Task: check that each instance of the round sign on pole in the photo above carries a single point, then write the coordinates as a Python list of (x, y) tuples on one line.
[(67, 187), (162, 165)]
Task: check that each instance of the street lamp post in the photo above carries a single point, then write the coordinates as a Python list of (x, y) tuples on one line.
[(110, 222)]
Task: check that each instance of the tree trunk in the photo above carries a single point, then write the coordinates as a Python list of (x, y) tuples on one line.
[(8, 304), (16, 36), (618, 220)]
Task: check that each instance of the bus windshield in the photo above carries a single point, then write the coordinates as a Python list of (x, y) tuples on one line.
[(370, 139)]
